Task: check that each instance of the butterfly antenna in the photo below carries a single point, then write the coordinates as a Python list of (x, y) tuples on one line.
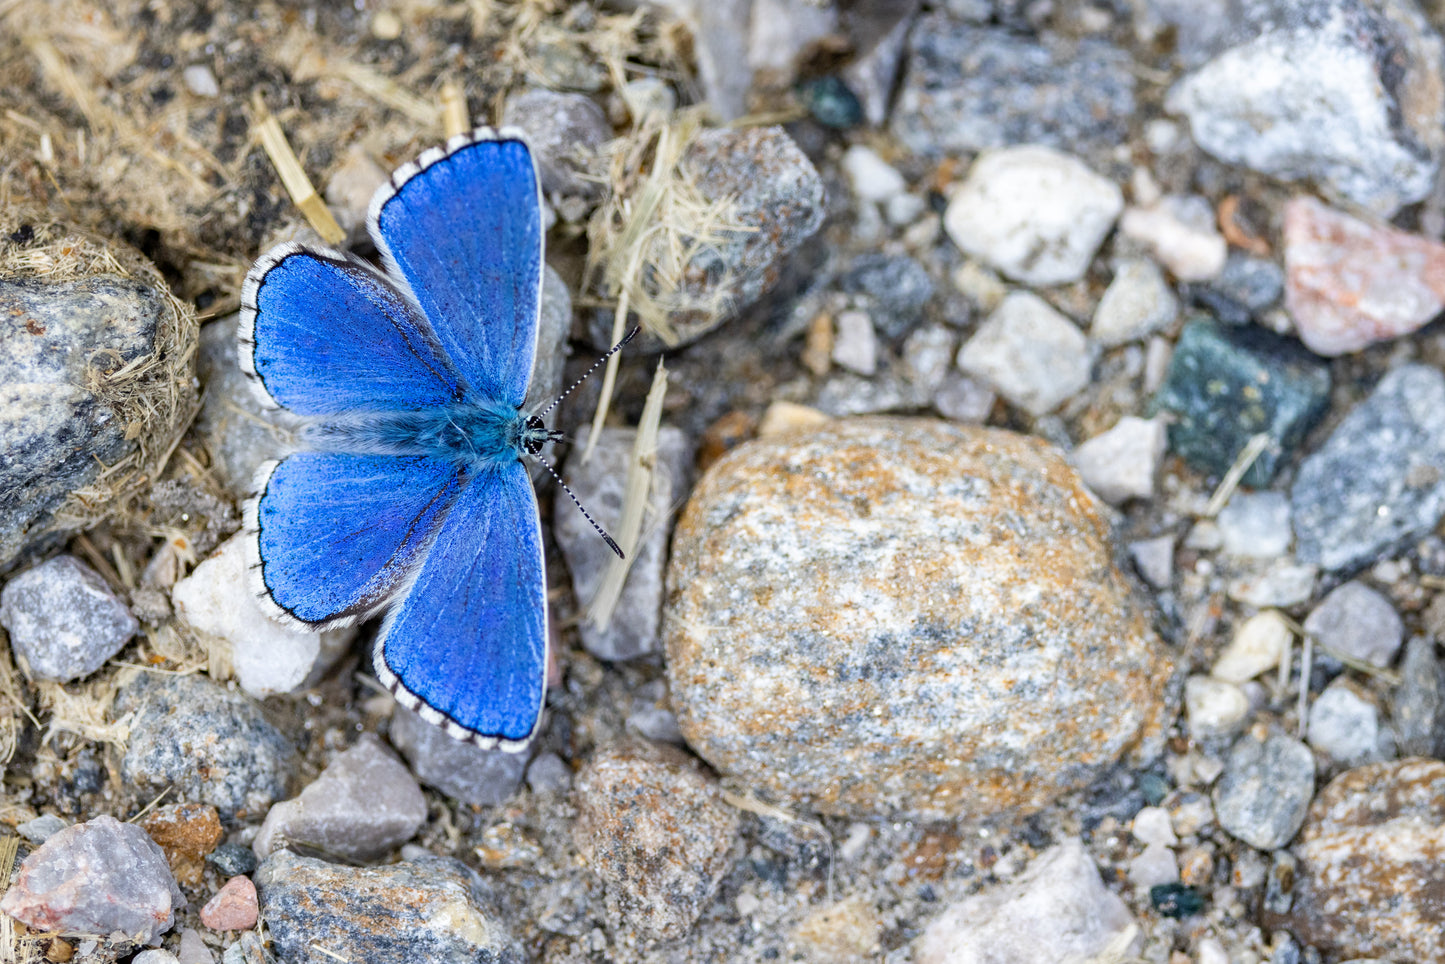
[(595, 365), (611, 543)]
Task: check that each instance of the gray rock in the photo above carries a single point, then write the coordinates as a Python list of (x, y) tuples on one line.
[(96, 877), (1342, 92), (240, 431), (63, 620), (553, 330), (56, 340), (430, 910), (1378, 482), (1418, 708), (1357, 622), (548, 774), (600, 485), (204, 742), (193, 949), (1029, 353), (941, 563), (1005, 925), (1345, 727), (1253, 283), (1256, 524), (1265, 790), (1123, 462), (362, 806), (155, 956), (968, 88), (1154, 558), (42, 828), (565, 132), (484, 778), (1137, 303), (873, 73), (658, 833), (720, 32), (893, 288)]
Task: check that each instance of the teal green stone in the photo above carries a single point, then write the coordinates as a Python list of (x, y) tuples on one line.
[(1227, 384)]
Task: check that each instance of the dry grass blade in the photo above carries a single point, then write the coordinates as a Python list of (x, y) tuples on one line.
[(293, 176), (641, 473)]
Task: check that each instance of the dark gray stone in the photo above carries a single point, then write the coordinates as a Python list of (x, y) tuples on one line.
[(968, 88), (1378, 482), (57, 435), (1265, 790), (1418, 704), (240, 431), (429, 910), (97, 877), (205, 743), (565, 132), (232, 860), (364, 805), (461, 770), (896, 288), (63, 620)]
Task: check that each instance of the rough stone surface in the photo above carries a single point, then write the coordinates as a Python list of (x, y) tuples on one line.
[(1180, 232), (1032, 355), (472, 775), (240, 431), (1378, 481), (1351, 284), (954, 574), (1346, 93), (1346, 727), (968, 88), (1418, 707), (1033, 213), (1123, 463), (63, 620), (1137, 303), (96, 877), (565, 131), (56, 434), (204, 742), (1265, 790), (422, 910), (362, 806), (1224, 386), (217, 599), (1058, 909), (1256, 525), (600, 485), (1371, 879), (1357, 622), (1213, 708), (187, 833), (658, 833)]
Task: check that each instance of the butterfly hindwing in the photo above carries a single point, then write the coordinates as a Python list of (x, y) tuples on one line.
[(337, 535), (463, 228), (467, 648), (324, 333)]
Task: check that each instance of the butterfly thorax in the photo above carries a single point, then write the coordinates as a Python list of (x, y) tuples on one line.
[(479, 435)]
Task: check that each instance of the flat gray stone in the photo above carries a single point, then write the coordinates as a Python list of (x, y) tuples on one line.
[(1265, 790), (63, 620), (461, 770)]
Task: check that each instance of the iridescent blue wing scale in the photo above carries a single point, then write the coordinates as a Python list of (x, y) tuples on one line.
[(336, 536), (323, 333), (467, 649), (463, 227)]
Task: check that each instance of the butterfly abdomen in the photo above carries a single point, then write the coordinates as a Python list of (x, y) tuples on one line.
[(485, 435)]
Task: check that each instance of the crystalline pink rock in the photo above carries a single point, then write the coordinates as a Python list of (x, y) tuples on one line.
[(1350, 283)]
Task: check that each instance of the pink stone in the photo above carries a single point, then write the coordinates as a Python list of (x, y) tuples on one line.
[(233, 908), (1350, 283)]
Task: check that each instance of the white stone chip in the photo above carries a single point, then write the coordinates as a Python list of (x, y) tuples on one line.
[(1029, 353)]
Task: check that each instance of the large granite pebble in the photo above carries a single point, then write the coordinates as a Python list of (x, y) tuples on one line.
[(1029, 353), (1378, 481), (967, 88), (1033, 213), (63, 620), (1058, 909), (63, 419), (422, 910), (1226, 385), (204, 743), (97, 877), (1265, 790), (658, 833), (459, 769), (1371, 881), (217, 599), (600, 486), (862, 618), (1343, 92), (1351, 284), (362, 806)]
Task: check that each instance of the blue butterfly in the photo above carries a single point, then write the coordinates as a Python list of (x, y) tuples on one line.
[(412, 493)]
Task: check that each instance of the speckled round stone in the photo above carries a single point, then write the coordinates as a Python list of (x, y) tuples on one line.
[(887, 615), (1371, 879)]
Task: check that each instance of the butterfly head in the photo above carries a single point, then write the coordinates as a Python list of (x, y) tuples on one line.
[(535, 434)]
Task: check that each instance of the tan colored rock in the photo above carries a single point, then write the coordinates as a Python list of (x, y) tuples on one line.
[(888, 615)]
